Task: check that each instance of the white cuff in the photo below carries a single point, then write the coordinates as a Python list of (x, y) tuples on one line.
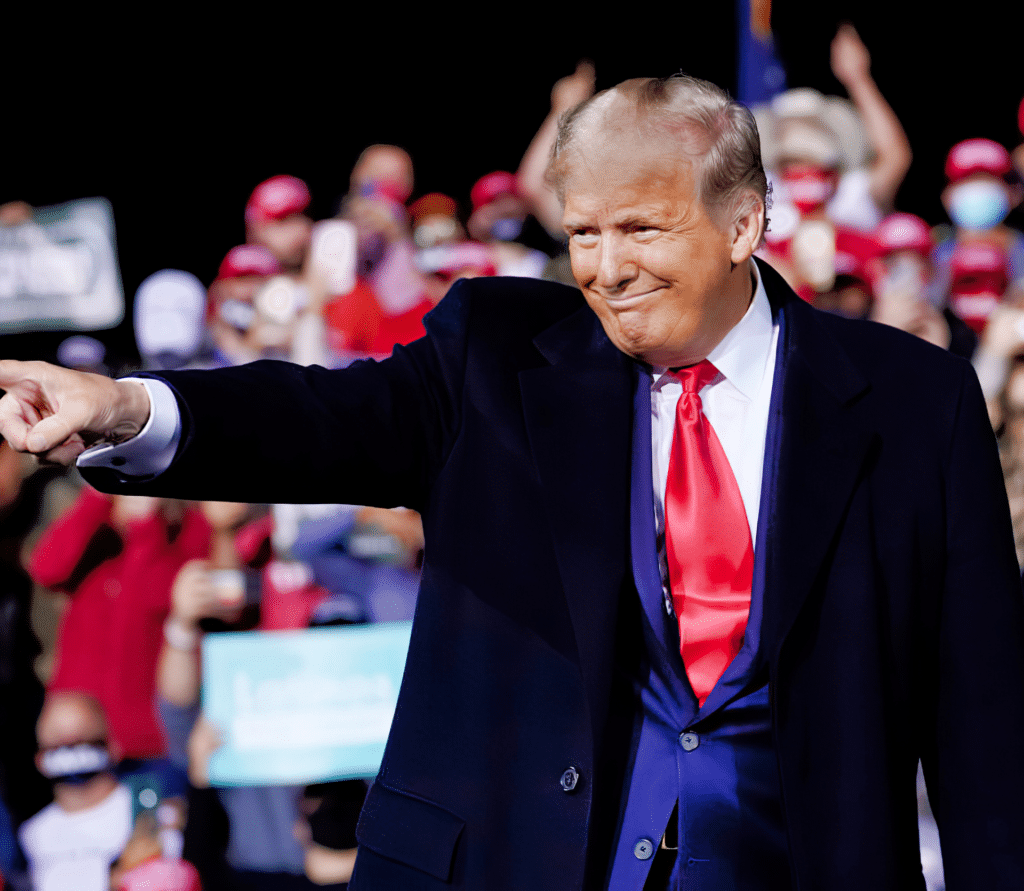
[(149, 452)]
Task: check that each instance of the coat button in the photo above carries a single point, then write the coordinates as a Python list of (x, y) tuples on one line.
[(643, 849), (689, 741), (569, 779)]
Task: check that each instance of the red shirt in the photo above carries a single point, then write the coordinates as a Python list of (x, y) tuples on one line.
[(112, 629)]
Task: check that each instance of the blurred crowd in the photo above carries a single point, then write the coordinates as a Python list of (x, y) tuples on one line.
[(106, 599)]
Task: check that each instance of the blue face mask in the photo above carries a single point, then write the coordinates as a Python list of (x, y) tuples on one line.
[(507, 229), (978, 205)]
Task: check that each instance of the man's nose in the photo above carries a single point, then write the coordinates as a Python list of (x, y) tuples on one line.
[(616, 266)]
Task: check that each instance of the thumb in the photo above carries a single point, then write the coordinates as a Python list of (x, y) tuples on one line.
[(48, 433)]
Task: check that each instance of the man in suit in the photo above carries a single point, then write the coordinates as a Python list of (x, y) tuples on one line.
[(566, 720)]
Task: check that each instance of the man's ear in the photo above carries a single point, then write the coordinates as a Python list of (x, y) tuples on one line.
[(747, 228)]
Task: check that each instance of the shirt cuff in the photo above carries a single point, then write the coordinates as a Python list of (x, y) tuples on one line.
[(151, 451)]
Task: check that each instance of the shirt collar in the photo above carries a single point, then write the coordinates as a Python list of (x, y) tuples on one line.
[(742, 355)]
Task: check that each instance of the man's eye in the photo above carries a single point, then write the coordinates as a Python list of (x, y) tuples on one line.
[(584, 238)]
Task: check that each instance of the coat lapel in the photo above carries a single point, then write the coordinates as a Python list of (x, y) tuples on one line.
[(827, 435), (578, 420)]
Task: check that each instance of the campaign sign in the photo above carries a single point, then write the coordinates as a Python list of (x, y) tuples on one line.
[(59, 270), (297, 707)]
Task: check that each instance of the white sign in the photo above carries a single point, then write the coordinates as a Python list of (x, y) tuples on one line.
[(59, 271)]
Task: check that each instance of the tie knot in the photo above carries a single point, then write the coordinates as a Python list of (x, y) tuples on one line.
[(694, 377)]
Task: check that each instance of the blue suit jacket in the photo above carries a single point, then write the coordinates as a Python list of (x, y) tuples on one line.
[(892, 625)]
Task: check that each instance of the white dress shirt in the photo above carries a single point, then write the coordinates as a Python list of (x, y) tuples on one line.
[(736, 404)]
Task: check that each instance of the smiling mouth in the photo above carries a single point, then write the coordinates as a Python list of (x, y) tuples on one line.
[(628, 301)]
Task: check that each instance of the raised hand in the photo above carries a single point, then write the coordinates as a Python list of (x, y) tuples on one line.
[(56, 414)]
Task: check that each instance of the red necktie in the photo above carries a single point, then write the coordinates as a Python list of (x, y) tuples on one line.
[(707, 541)]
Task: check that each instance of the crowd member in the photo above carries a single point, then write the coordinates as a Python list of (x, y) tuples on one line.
[(23, 791), (501, 219), (981, 190), (262, 851), (168, 314), (999, 362), (368, 558), (116, 558), (390, 298), (231, 306), (275, 218), (435, 221), (445, 264), (905, 285), (818, 150), (71, 843)]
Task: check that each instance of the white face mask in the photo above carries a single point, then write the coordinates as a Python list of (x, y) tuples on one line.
[(79, 760), (978, 205)]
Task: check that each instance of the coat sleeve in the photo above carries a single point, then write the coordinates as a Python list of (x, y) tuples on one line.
[(273, 432), (973, 755)]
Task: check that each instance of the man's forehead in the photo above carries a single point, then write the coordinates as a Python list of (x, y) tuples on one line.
[(627, 165)]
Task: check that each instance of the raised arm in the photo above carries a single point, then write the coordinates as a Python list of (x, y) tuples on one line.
[(57, 414), (851, 64), (567, 93)]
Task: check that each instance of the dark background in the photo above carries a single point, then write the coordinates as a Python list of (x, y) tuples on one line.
[(175, 117)]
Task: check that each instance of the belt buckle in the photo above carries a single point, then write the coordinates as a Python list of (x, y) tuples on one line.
[(671, 831)]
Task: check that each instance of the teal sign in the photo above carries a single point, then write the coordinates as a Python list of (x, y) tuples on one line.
[(297, 707)]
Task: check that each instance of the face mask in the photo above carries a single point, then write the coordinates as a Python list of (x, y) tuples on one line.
[(507, 229), (237, 313), (978, 205), (74, 764), (904, 277), (809, 189)]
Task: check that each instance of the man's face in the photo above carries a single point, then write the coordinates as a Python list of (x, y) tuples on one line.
[(649, 259)]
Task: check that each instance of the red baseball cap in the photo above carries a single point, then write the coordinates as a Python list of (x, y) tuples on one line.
[(433, 203), (978, 267), (161, 874), (904, 232), (248, 259), (977, 156), (492, 186), (277, 198)]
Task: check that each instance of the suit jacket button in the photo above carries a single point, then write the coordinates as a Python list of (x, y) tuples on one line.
[(689, 741), (569, 779), (643, 849)]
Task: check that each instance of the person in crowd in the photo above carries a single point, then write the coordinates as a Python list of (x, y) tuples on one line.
[(71, 843), (115, 558), (501, 219), (144, 865), (849, 157), (905, 285), (435, 221), (706, 636), (23, 790), (387, 304), (263, 851), (169, 319), (981, 189), (276, 218), (445, 264)]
